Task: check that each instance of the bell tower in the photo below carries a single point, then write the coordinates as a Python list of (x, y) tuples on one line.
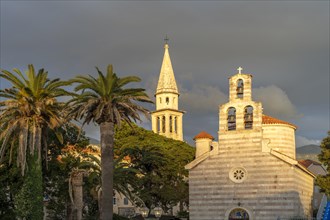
[(167, 119), (241, 113)]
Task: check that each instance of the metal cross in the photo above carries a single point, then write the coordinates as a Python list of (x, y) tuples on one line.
[(240, 70), (166, 39)]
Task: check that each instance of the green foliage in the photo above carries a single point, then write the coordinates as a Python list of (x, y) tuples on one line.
[(56, 176), (324, 157), (105, 101), (160, 161), (29, 199), (28, 111), (10, 184)]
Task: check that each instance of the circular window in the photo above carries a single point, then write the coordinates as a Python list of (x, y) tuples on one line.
[(237, 174)]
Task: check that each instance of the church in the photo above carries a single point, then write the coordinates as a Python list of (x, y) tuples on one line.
[(251, 171)]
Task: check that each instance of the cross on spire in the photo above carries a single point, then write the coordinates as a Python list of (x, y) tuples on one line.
[(166, 39), (240, 70)]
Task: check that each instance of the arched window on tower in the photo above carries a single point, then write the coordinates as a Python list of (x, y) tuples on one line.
[(163, 124), (167, 100), (240, 88), (231, 119), (171, 129), (160, 100), (158, 124), (176, 124), (248, 117)]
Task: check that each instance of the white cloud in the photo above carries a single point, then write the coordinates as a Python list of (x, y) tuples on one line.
[(202, 99), (275, 102), (302, 141)]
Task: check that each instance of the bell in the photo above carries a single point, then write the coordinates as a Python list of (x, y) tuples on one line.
[(239, 90), (248, 117), (231, 118)]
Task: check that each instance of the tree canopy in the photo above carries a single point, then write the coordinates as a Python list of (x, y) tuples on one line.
[(107, 101), (324, 157), (161, 161)]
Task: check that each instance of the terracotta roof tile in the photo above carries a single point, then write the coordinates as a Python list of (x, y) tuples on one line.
[(203, 134), (270, 120), (307, 163)]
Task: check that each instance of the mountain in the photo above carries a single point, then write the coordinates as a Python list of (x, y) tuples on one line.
[(309, 149), (308, 152)]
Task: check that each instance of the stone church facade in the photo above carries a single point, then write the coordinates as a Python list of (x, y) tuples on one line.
[(251, 171)]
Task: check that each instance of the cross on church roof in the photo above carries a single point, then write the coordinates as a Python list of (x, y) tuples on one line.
[(240, 70)]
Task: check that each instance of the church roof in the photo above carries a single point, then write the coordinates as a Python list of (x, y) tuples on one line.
[(270, 120), (166, 82), (202, 135)]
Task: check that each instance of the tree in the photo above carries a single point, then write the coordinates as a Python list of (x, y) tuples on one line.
[(324, 157), (63, 159), (10, 183), (106, 102), (160, 161), (27, 113), (85, 162), (124, 176)]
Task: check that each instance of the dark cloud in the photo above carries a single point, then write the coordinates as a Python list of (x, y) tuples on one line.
[(285, 45)]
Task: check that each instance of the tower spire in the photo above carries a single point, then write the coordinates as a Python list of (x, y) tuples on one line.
[(167, 119), (166, 82)]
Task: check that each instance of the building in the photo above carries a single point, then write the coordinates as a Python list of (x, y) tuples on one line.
[(317, 169), (251, 172), (167, 119)]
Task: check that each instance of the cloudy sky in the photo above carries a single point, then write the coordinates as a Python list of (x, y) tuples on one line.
[(283, 44)]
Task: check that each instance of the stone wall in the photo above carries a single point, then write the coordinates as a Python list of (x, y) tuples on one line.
[(281, 138), (269, 191)]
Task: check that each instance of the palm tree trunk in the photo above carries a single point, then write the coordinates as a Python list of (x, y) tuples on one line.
[(107, 164), (77, 182)]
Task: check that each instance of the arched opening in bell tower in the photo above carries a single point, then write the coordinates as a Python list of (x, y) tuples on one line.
[(248, 117), (163, 124), (240, 88), (175, 124), (171, 123), (231, 119), (158, 124)]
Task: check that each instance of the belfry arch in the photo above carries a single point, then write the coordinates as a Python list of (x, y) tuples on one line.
[(231, 119), (240, 88)]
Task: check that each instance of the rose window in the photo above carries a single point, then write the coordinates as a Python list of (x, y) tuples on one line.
[(237, 174)]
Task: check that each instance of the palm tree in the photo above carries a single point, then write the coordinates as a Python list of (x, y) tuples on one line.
[(30, 108), (124, 178), (27, 112), (105, 101), (86, 162)]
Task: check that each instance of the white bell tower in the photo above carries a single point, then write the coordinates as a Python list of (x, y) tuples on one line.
[(167, 119)]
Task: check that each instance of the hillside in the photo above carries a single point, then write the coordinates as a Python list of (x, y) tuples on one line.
[(308, 152), (309, 149)]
